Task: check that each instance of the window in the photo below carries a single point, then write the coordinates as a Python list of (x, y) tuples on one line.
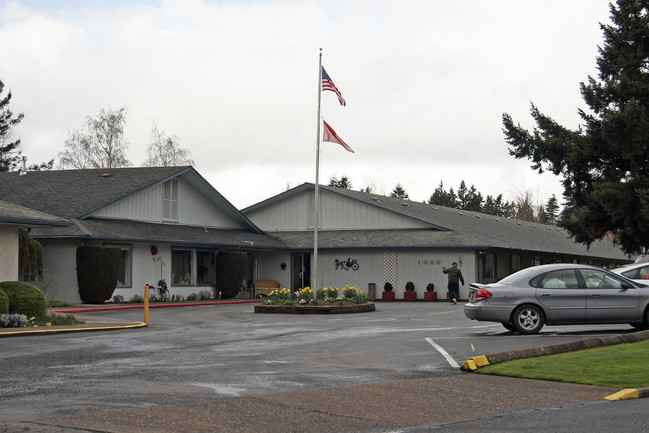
[(125, 265), (514, 263), (488, 262), (638, 273), (564, 279), (181, 266), (595, 279), (170, 200)]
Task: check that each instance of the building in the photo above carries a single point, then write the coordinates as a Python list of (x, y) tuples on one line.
[(13, 218), (170, 224), (368, 238)]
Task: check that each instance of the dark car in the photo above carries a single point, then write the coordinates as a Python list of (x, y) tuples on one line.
[(559, 294)]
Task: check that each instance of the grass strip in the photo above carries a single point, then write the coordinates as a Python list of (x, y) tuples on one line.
[(619, 366)]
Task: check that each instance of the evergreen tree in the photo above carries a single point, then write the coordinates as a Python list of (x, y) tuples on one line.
[(9, 148), (344, 182), (551, 210), (399, 192), (494, 206), (442, 198), (605, 162)]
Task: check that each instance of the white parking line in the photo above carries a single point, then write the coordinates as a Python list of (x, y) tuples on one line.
[(444, 353)]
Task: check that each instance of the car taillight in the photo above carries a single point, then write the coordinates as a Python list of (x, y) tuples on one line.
[(482, 294)]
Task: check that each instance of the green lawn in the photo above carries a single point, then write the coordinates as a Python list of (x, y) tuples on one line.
[(619, 366)]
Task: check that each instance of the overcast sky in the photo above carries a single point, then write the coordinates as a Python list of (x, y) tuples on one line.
[(426, 83)]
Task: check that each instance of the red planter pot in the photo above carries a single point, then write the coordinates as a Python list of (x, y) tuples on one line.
[(430, 296), (388, 296), (409, 296)]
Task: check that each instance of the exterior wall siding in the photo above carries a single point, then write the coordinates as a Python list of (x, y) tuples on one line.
[(193, 208), (335, 213), (60, 267), (8, 253), (269, 268), (420, 267)]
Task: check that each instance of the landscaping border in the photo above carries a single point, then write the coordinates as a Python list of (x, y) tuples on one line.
[(315, 309)]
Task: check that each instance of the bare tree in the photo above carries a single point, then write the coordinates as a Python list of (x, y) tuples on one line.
[(100, 144), (165, 151)]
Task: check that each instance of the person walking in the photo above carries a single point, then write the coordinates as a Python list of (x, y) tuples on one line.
[(454, 279)]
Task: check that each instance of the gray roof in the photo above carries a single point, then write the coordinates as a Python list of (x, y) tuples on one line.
[(372, 239), (487, 230), (18, 215), (113, 230), (78, 194)]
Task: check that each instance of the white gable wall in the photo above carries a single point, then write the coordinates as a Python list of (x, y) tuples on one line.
[(335, 213), (193, 208)]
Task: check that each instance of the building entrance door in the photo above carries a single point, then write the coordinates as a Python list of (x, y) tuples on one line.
[(301, 271)]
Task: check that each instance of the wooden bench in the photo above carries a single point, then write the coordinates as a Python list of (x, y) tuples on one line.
[(264, 287)]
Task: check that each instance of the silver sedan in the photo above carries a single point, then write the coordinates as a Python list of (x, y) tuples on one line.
[(559, 294)]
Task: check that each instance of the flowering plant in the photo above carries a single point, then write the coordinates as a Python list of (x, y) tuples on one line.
[(348, 294)]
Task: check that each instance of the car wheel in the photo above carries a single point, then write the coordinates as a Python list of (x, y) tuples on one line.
[(508, 326), (528, 319), (644, 324)]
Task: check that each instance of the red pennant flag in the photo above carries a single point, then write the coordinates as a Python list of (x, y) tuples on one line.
[(330, 135)]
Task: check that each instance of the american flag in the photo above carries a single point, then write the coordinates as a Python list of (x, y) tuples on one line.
[(328, 84)]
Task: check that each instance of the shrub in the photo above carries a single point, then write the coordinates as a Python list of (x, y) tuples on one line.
[(430, 287), (118, 299), (387, 287), (97, 273), (410, 286), (192, 297), (137, 299), (4, 302), (25, 298), (230, 270), (13, 320), (205, 295)]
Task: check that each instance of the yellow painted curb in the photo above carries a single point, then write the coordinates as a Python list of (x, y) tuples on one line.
[(469, 365), (625, 394), (45, 330), (472, 364)]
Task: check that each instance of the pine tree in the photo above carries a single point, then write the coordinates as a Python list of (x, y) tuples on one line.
[(9, 148), (442, 198), (399, 192), (605, 162), (344, 182), (551, 210)]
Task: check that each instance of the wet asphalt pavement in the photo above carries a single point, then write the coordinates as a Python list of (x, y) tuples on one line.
[(225, 369)]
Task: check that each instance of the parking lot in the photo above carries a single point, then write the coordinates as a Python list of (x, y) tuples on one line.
[(198, 354)]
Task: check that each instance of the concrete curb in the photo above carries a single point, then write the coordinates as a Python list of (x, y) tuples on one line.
[(101, 325), (476, 362)]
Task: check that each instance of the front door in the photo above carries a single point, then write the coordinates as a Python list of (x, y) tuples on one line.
[(301, 271)]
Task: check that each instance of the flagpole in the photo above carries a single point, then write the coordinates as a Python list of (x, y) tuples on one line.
[(316, 198)]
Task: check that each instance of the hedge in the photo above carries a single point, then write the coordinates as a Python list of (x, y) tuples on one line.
[(230, 270), (97, 273)]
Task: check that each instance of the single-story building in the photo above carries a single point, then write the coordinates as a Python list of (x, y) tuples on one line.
[(170, 224), (369, 238)]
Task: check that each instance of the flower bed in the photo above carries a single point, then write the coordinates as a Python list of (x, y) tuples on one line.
[(326, 301)]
